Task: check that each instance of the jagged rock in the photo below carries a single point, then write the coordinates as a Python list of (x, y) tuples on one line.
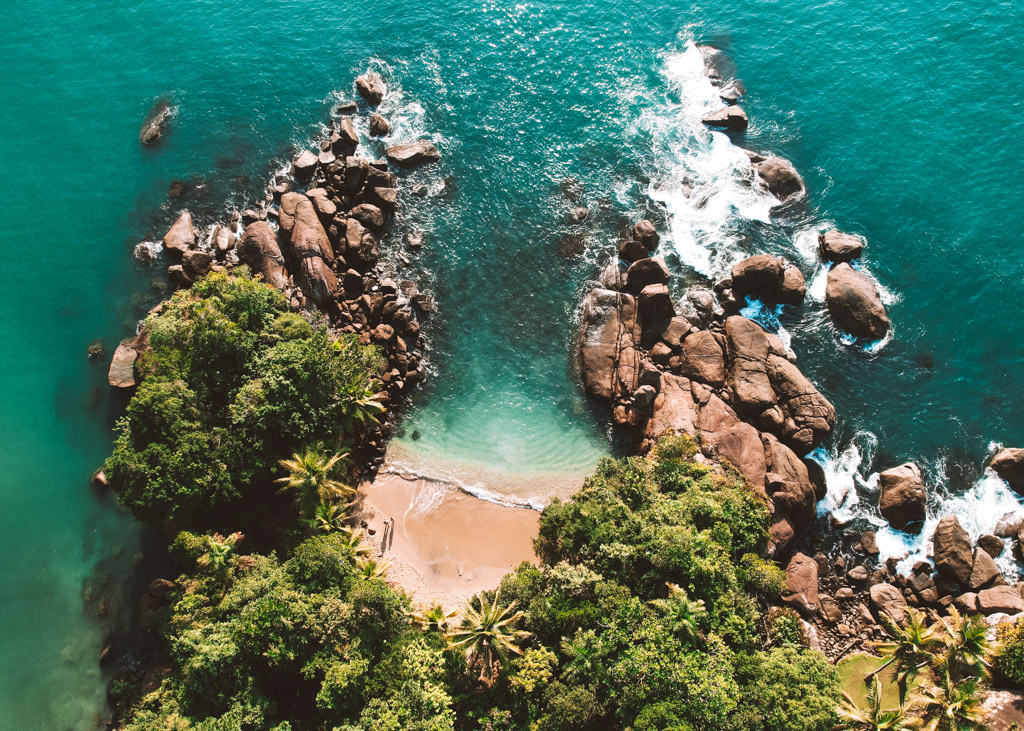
[(702, 358), (304, 165), (413, 154), (259, 251), (967, 602), (348, 138), (1000, 599), (1008, 463), (371, 88), (984, 572), (674, 409), (854, 303), (674, 332), (801, 590), (645, 233), (952, 550), (155, 124), (769, 279), (1009, 526), (839, 247), (180, 237), (992, 545), (361, 246), (869, 542), (646, 271), (731, 118), (902, 497), (887, 598), (780, 177), (609, 362), (379, 127)]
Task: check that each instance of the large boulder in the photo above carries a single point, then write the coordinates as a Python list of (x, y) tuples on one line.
[(286, 210), (674, 409), (304, 165), (854, 303), (1008, 463), (413, 154), (122, 367), (318, 282), (196, 263), (749, 346), (801, 590), (703, 359), (731, 118), (371, 88), (839, 247), (887, 599), (308, 236), (951, 547), (651, 270), (155, 124), (1000, 599), (733, 440), (379, 127), (902, 497), (808, 417), (259, 251), (768, 278), (180, 237), (985, 572), (609, 362), (655, 304), (779, 176)]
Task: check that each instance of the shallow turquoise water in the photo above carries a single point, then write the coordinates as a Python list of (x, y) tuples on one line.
[(906, 122)]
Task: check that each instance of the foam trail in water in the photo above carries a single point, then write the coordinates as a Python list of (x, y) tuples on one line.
[(706, 181), (843, 479)]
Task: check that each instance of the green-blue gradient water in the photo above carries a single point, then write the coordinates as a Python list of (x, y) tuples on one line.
[(905, 119)]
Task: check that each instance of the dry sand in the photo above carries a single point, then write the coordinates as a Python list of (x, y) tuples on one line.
[(446, 545)]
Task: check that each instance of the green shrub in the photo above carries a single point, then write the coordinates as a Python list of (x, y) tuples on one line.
[(1010, 659)]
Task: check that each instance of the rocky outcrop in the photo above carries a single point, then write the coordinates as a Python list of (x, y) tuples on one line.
[(180, 237), (123, 373), (259, 251), (952, 550), (642, 242), (312, 250), (1000, 599), (854, 303), (779, 177), (887, 599), (838, 247), (304, 165), (1008, 463), (412, 154), (155, 125), (902, 497), (801, 591), (371, 88), (768, 278), (731, 118), (379, 127), (609, 362)]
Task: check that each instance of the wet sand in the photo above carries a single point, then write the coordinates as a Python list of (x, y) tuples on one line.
[(446, 545)]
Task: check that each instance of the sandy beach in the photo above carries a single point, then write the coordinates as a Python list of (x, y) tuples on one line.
[(445, 545)]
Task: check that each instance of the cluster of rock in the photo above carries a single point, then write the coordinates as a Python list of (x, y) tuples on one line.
[(696, 369), (324, 252)]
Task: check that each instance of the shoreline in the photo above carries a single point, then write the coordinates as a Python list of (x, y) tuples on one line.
[(446, 545)]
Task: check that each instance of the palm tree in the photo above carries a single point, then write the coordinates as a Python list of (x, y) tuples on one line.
[(587, 659), (684, 616), (433, 617), (873, 717), (309, 477), (952, 706), (487, 634), (968, 649), (218, 552), (360, 407), (329, 517), (353, 538), (911, 647), (370, 568)]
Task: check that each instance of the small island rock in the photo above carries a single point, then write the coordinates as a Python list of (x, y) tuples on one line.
[(854, 303)]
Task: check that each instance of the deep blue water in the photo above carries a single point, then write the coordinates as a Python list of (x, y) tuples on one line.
[(906, 122)]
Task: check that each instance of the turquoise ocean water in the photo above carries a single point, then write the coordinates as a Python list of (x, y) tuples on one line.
[(905, 119)]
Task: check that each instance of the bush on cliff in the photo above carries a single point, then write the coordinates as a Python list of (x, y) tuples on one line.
[(233, 383)]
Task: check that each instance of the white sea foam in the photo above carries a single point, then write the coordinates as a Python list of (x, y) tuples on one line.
[(844, 480), (706, 182)]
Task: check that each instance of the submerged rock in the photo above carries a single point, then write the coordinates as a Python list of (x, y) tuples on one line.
[(854, 303), (155, 125), (902, 497), (413, 154)]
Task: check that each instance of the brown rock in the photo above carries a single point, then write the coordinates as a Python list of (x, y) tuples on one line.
[(607, 351), (984, 572), (1000, 599), (858, 574), (839, 247), (646, 271), (902, 497), (887, 598), (304, 165), (732, 118), (733, 440), (830, 611), (122, 367), (749, 346), (196, 263), (655, 303), (379, 127), (413, 154), (703, 358), (369, 215), (809, 415), (780, 177), (259, 251), (952, 550), (308, 237), (645, 233), (854, 303), (769, 279), (967, 602), (371, 88), (801, 590), (992, 545), (869, 542), (1008, 463), (674, 409), (286, 210), (180, 237)]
